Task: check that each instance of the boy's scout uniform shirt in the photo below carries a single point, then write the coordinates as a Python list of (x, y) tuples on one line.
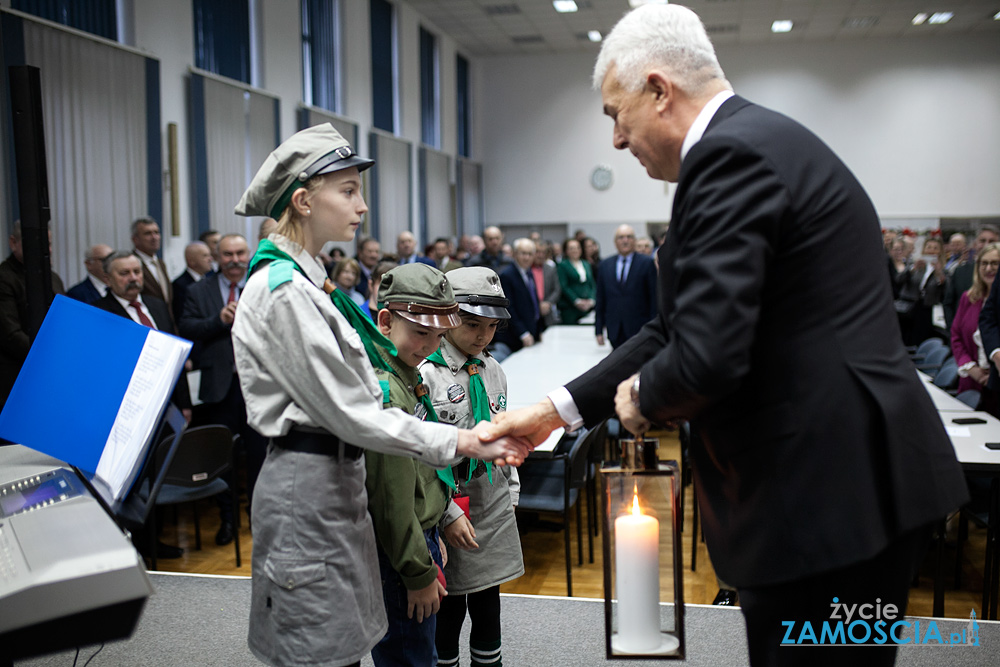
[(498, 558), (317, 594), (405, 497)]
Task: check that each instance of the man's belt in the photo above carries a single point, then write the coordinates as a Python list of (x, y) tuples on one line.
[(326, 444)]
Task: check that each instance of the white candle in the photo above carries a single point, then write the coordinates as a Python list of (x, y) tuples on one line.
[(637, 574)]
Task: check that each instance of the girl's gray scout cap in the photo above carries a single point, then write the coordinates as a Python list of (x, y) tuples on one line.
[(478, 291), (307, 153)]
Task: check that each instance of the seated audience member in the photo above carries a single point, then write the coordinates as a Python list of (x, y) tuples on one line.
[(198, 258), (961, 278), (922, 286), (345, 275), (14, 339), (95, 285), (576, 282), (371, 306), (964, 347)]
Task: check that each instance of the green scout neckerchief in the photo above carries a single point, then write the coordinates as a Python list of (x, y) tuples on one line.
[(424, 396), (478, 398), (370, 335)]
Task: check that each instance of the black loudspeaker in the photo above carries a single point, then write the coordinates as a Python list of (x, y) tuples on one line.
[(32, 191)]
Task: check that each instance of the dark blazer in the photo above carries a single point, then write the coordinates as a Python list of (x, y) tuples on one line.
[(161, 317), (623, 309), (84, 291), (820, 443), (151, 286), (180, 286), (959, 281), (989, 330), (522, 313), (200, 322)]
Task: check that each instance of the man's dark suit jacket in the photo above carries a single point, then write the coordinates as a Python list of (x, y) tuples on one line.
[(522, 312), (180, 286), (151, 286), (84, 291), (959, 281), (161, 317), (820, 444), (624, 309), (989, 330), (200, 322)]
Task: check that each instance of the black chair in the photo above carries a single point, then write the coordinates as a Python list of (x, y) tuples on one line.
[(552, 486), (203, 455)]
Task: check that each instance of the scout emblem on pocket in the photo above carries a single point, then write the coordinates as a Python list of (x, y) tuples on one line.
[(501, 403)]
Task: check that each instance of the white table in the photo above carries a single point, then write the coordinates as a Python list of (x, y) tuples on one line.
[(564, 353)]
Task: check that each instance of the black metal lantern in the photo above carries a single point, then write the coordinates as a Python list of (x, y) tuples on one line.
[(643, 577)]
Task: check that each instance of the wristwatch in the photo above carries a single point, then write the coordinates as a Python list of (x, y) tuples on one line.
[(635, 392)]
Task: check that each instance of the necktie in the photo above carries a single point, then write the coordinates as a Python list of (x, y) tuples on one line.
[(142, 316), (232, 294), (624, 272), (534, 292), (480, 402)]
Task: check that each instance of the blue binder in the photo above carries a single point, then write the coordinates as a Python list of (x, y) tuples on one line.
[(71, 385)]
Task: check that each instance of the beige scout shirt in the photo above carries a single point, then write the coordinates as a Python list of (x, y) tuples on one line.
[(302, 365), (449, 387)]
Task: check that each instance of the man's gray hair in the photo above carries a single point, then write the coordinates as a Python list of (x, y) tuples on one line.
[(145, 220), (669, 36), (115, 256)]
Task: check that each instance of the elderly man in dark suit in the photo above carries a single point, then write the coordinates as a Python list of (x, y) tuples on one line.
[(208, 316), (519, 286), (95, 285), (626, 291), (823, 463)]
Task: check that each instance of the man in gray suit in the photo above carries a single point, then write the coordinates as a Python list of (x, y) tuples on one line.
[(209, 310)]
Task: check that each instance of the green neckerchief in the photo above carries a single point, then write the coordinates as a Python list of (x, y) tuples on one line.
[(369, 333), (478, 398)]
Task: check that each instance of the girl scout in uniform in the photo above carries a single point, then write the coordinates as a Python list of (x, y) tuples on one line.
[(309, 387), (467, 386)]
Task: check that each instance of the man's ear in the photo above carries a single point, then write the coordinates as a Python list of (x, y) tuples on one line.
[(300, 202), (661, 87)]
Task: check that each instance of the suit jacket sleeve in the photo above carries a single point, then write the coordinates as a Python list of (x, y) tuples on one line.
[(515, 292), (198, 321), (650, 286), (728, 208)]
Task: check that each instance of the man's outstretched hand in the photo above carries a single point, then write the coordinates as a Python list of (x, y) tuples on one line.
[(533, 424)]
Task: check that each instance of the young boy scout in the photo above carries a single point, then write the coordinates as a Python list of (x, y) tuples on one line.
[(407, 499)]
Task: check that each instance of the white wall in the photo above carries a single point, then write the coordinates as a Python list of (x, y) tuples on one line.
[(916, 119)]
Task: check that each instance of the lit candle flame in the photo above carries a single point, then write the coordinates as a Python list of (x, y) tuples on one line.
[(635, 504)]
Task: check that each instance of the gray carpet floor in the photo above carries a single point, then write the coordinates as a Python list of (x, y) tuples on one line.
[(202, 621)]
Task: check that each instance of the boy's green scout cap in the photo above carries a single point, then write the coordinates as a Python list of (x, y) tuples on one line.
[(478, 291), (315, 150), (420, 293)]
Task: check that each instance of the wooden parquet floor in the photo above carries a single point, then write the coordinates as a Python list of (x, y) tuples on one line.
[(544, 563)]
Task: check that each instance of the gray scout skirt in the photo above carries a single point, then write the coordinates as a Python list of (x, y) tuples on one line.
[(317, 595)]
